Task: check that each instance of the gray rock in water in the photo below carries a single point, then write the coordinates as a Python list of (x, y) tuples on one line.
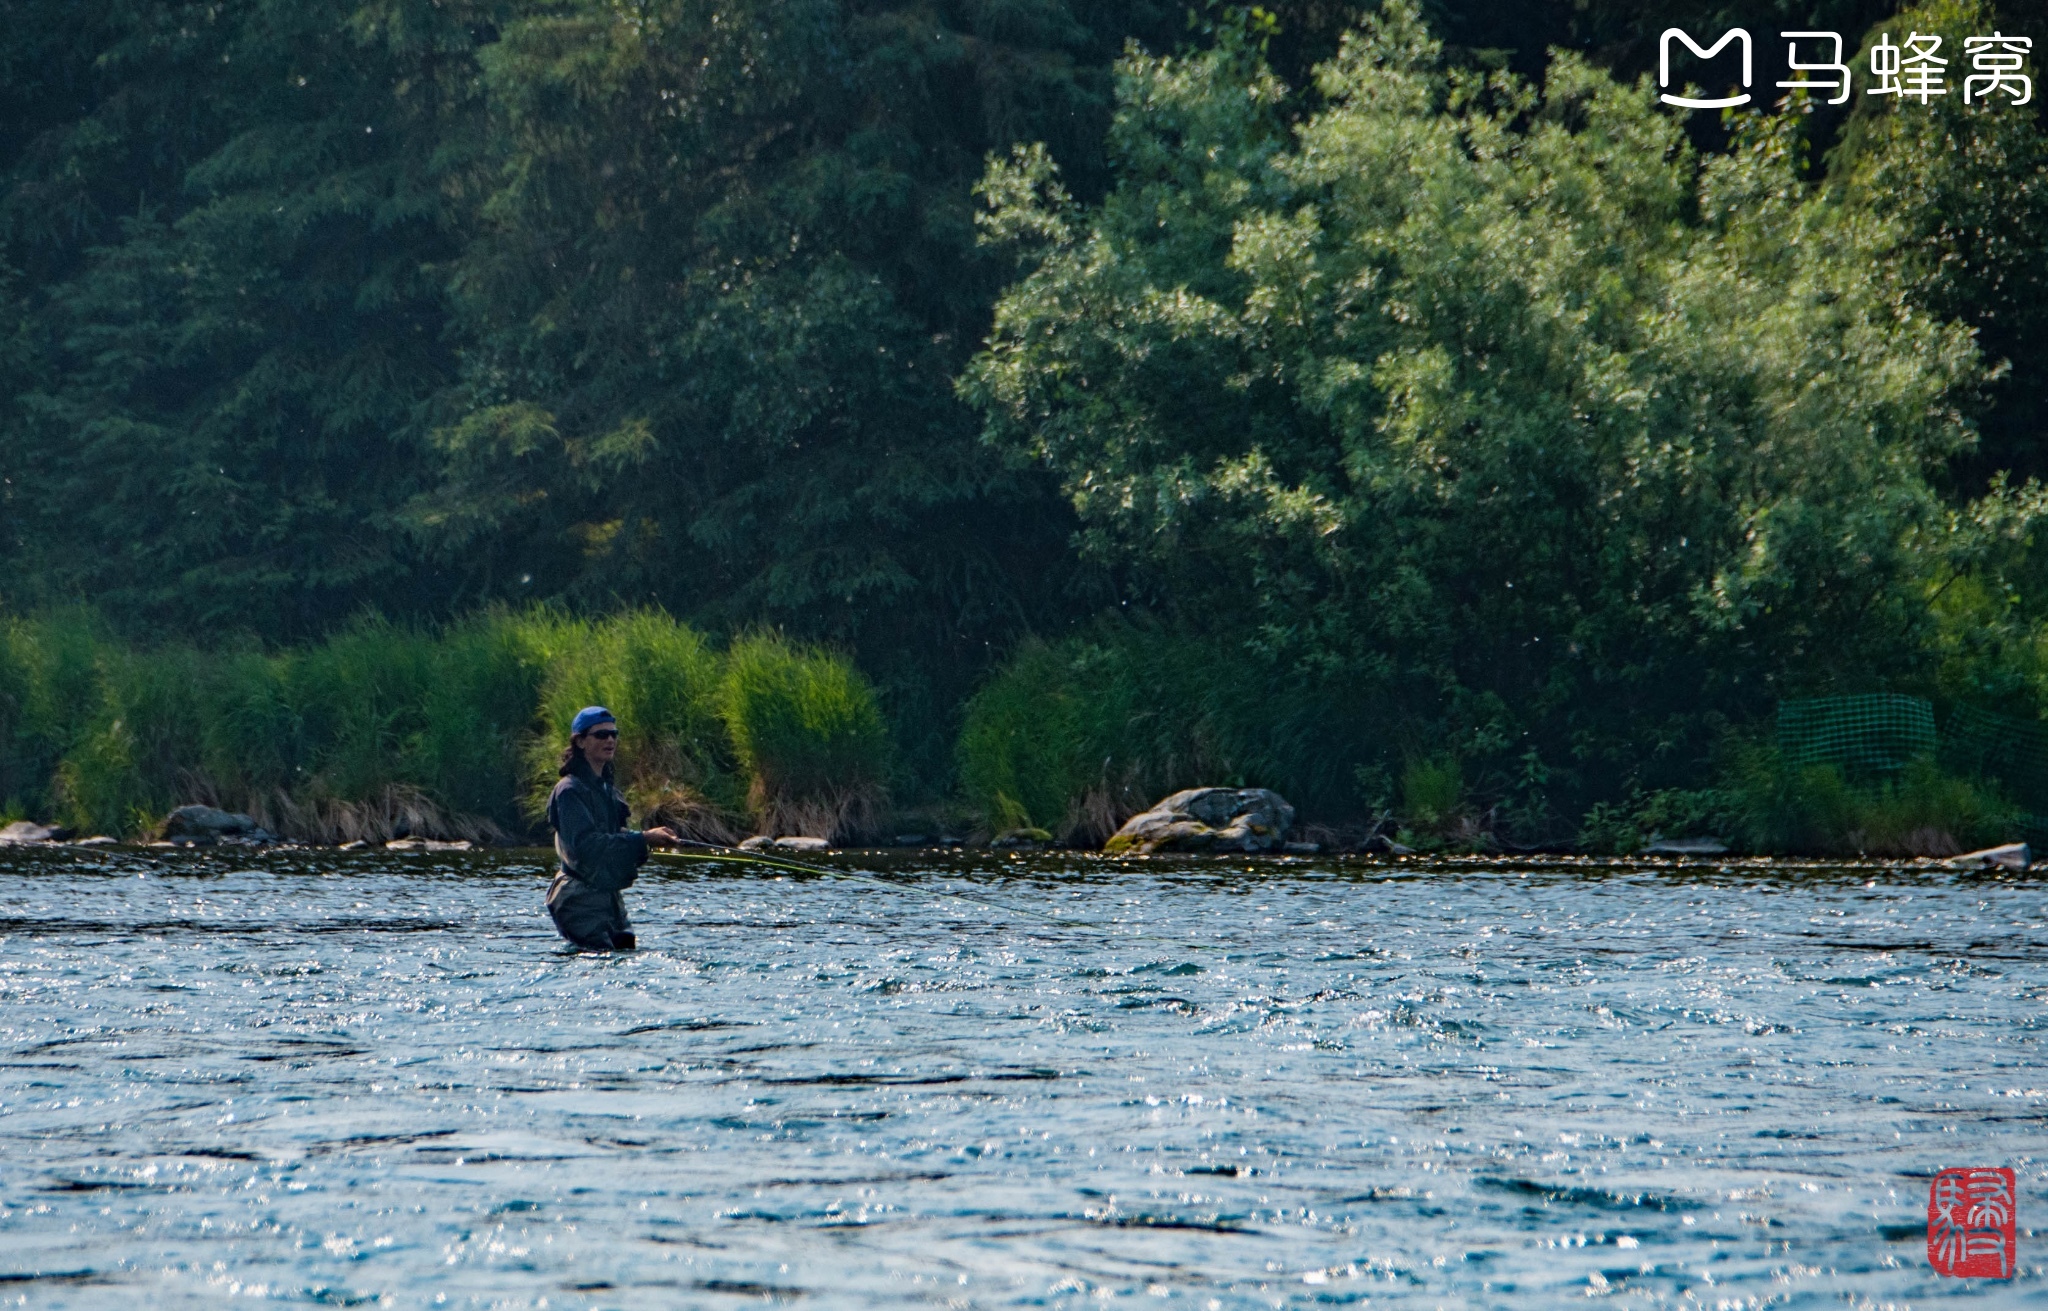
[(2011, 856), (1686, 847), (202, 822), (1207, 819), (1024, 838), (21, 831), (762, 842)]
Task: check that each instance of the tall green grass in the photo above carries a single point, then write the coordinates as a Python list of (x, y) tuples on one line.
[(1076, 736), (1025, 747), (49, 687), (662, 680), (808, 731), (1919, 811), (448, 732)]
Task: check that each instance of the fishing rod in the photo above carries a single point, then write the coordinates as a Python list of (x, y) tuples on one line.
[(712, 852)]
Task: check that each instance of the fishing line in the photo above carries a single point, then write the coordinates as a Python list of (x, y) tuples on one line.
[(732, 856)]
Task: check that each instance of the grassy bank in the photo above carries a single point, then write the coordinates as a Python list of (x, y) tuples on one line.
[(456, 732), (1075, 737), (452, 732)]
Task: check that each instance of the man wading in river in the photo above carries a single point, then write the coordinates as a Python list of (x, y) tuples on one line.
[(600, 856)]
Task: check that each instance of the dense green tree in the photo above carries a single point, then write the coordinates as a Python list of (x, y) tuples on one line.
[(218, 425), (409, 306), (1967, 183), (1574, 439), (724, 278)]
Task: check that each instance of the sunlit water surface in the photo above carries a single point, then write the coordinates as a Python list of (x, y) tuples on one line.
[(309, 1077)]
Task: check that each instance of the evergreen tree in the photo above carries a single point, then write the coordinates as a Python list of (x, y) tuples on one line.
[(220, 418), (724, 278)]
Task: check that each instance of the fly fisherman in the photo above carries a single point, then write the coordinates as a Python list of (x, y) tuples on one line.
[(600, 856)]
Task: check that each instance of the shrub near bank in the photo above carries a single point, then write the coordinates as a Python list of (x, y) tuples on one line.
[(661, 679), (808, 730), (453, 732), (1077, 736), (1580, 443)]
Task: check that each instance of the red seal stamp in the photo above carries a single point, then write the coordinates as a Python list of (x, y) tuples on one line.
[(1973, 1223)]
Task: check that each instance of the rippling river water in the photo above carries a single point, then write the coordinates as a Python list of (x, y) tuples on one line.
[(304, 1076)]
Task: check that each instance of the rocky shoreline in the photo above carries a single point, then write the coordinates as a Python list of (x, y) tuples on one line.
[(2015, 858), (1219, 821)]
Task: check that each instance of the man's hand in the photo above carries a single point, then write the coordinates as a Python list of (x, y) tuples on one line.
[(662, 837)]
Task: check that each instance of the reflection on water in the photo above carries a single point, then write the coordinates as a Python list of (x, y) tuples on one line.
[(379, 1078)]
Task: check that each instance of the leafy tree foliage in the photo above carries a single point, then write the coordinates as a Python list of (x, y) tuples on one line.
[(411, 306), (724, 275), (408, 306), (1572, 438), (1968, 186)]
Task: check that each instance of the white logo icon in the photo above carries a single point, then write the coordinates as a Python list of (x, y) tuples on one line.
[(1664, 67)]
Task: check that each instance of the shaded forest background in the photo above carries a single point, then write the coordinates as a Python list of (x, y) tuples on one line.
[(328, 313)]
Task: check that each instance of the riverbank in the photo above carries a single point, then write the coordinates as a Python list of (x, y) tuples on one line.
[(383, 733), (974, 861)]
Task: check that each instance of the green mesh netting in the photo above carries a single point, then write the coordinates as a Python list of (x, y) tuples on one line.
[(1875, 734), (2011, 752)]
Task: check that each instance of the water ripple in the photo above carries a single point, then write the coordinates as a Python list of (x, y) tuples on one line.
[(313, 1077)]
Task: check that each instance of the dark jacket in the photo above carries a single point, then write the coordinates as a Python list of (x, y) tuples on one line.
[(600, 857)]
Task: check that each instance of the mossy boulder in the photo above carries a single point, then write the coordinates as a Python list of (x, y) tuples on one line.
[(208, 824), (1026, 838), (1207, 819)]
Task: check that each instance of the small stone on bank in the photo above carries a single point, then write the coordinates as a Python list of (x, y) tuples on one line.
[(208, 824), (2014, 855), (1686, 847), (22, 831), (762, 842), (1026, 838)]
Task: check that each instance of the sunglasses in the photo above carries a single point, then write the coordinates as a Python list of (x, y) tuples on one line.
[(606, 733)]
